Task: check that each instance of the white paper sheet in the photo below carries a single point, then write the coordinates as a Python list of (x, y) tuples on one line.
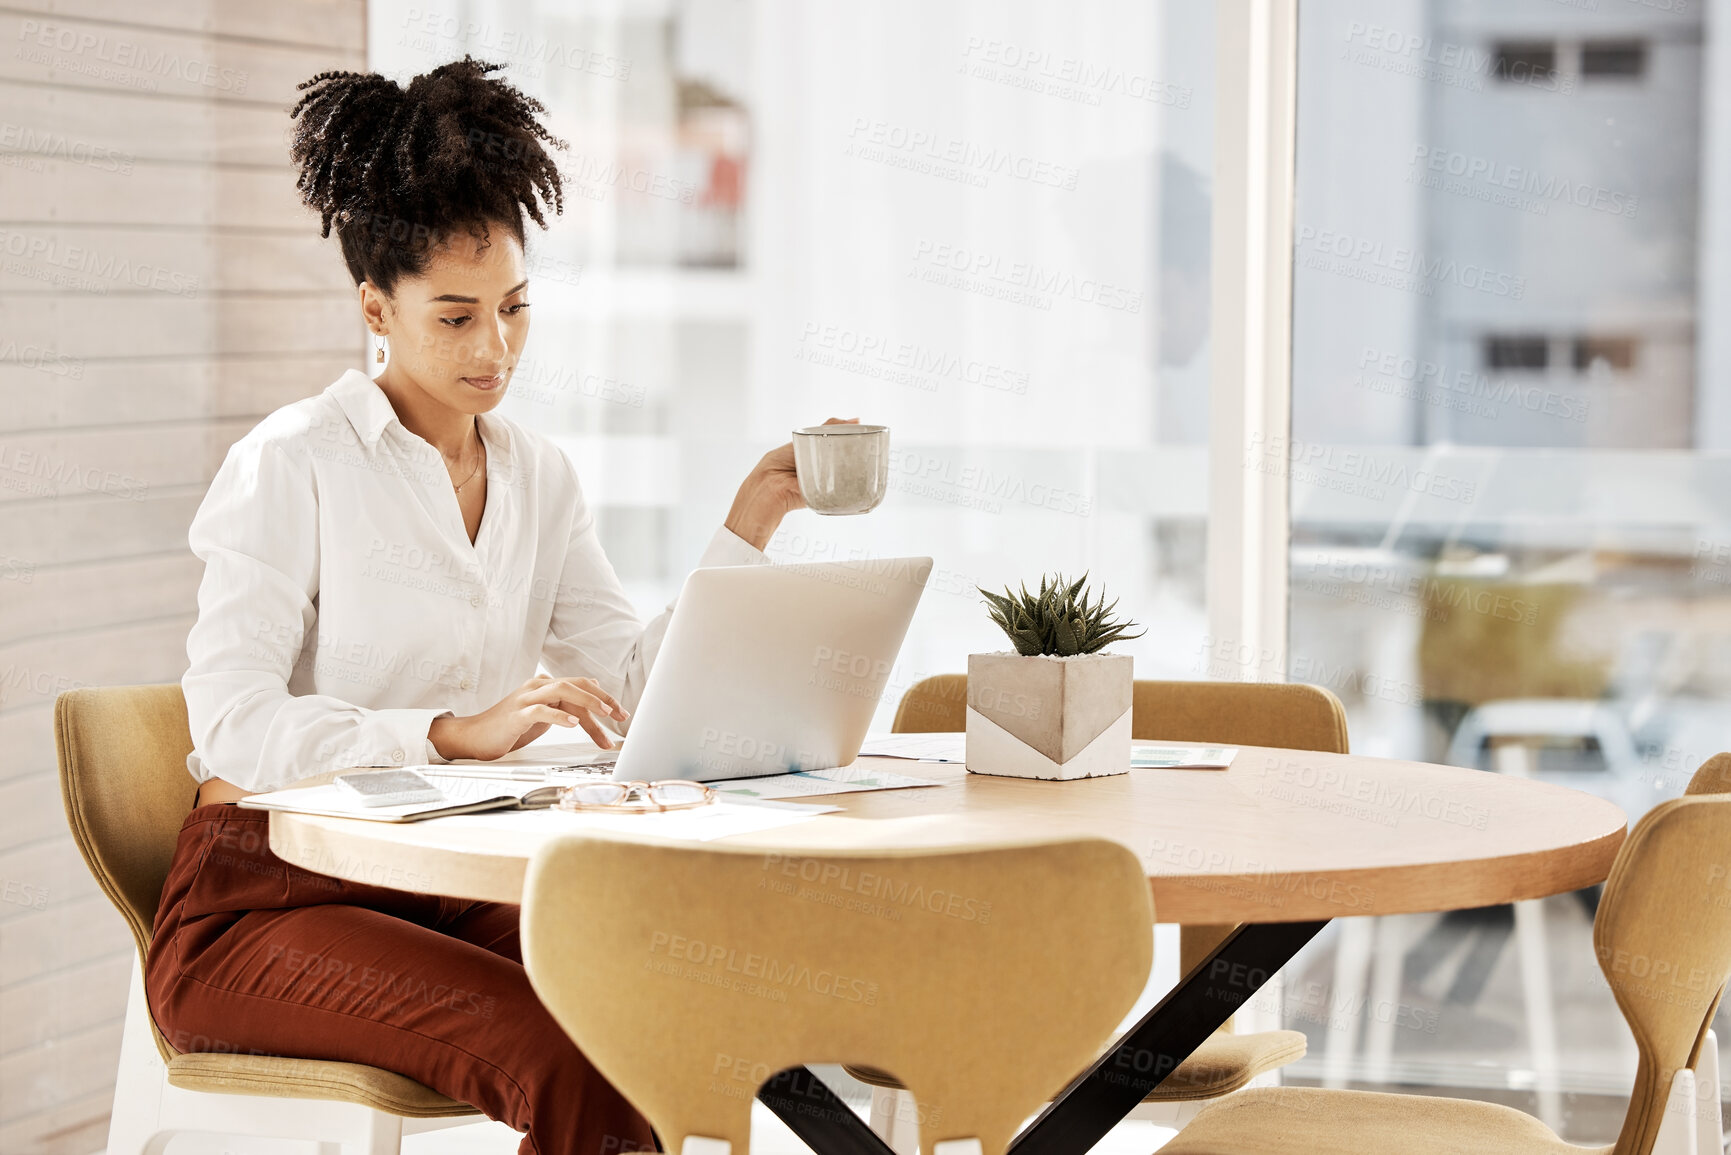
[(719, 819), (940, 747), (1181, 757), (555, 773), (841, 780), (698, 824)]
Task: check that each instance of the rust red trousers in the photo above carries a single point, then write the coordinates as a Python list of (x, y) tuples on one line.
[(254, 955)]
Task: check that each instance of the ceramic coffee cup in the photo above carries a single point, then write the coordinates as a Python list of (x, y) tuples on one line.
[(842, 468)]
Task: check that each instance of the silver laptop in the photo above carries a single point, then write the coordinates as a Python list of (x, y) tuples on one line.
[(766, 669)]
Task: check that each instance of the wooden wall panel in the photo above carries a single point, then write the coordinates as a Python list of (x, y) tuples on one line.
[(134, 128), (79, 529), (175, 389), (333, 25), (37, 670), (151, 326), (161, 290), (27, 736), (35, 189), (70, 51), (102, 594), (190, 262), (75, 1065), (113, 460), (76, 999), (65, 934), (29, 807), (47, 870), (75, 1126)]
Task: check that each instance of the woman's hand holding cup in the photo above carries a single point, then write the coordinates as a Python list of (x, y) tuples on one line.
[(770, 492)]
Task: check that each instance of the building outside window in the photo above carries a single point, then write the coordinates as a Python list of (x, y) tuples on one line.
[(1513, 531)]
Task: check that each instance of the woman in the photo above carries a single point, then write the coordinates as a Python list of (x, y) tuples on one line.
[(385, 565)]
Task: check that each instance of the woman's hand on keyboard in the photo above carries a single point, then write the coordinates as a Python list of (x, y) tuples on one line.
[(524, 715)]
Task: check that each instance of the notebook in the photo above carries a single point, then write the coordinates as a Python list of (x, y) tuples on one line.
[(462, 796)]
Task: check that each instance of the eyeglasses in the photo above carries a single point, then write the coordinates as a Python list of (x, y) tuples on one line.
[(636, 797)]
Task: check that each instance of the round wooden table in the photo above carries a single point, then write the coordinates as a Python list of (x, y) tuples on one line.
[(1280, 836), (1280, 843)]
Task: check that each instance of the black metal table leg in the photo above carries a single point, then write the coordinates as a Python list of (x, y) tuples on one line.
[(1099, 1098)]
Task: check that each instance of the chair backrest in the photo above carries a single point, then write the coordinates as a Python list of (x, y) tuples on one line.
[(123, 779), (1289, 714), (1663, 937), (1711, 777), (983, 978)]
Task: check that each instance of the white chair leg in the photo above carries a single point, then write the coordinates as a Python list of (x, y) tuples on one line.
[(135, 1126), (440, 1122), (1351, 962), (379, 1134), (1515, 759), (341, 1128), (1677, 1131), (1541, 1008), (895, 1120), (1168, 1114), (958, 1147), (1709, 1116), (1381, 1009)]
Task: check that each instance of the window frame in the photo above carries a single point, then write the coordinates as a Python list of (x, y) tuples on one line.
[(1250, 335)]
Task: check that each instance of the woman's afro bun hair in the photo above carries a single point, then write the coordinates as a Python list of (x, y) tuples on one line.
[(398, 171)]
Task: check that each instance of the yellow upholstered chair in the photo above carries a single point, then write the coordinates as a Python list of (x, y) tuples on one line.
[(123, 778), (1711, 777), (1291, 715), (984, 977), (1663, 937)]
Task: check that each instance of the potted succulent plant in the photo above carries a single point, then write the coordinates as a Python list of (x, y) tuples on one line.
[(1055, 707)]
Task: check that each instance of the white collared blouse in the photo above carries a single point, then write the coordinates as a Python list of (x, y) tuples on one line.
[(343, 606)]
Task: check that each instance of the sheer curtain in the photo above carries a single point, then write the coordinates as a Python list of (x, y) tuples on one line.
[(983, 225)]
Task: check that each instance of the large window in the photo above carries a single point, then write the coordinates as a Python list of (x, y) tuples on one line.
[(983, 225), (1508, 521)]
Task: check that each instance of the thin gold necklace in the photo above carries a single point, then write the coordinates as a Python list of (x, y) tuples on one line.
[(477, 469)]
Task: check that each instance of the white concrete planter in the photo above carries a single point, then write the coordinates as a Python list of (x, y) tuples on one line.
[(1039, 716)]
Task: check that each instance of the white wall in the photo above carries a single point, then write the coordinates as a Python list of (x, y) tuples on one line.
[(160, 292)]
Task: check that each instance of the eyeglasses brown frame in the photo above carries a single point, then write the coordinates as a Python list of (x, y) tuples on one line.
[(641, 790)]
